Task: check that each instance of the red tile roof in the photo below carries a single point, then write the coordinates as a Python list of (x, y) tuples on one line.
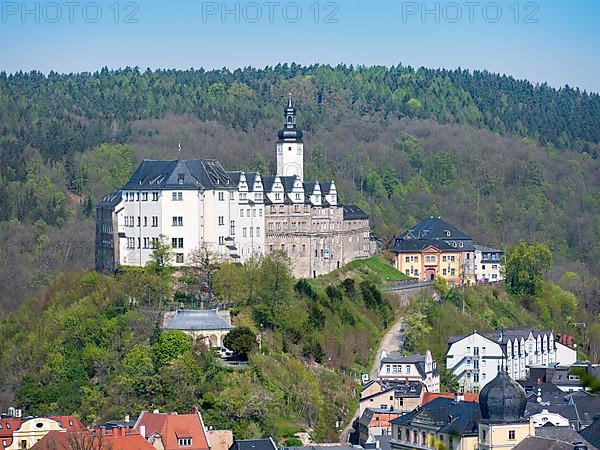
[(7, 426), (119, 439), (69, 423), (173, 426), (430, 396)]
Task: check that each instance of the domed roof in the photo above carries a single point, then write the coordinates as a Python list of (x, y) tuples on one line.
[(290, 135), (502, 399)]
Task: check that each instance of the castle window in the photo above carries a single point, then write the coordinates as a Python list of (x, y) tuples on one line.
[(144, 196), (244, 234), (511, 435), (179, 258), (257, 231), (221, 196), (277, 196), (242, 212), (221, 220), (155, 196)]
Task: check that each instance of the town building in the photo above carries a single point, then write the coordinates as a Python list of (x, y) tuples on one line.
[(409, 368), (376, 422), (488, 263), (96, 439), (434, 248), (197, 204), (393, 396), (24, 433), (208, 327), (172, 431), (475, 359), (453, 422)]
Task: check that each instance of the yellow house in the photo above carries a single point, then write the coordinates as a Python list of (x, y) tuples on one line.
[(33, 430), (434, 248)]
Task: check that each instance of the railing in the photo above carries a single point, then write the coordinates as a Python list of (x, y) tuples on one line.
[(406, 284)]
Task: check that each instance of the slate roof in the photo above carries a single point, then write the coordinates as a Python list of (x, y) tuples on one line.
[(564, 434), (445, 416), (112, 199), (253, 444), (235, 176), (309, 187), (268, 182), (591, 433), (396, 357), (537, 443), (288, 183), (187, 320), (484, 249), (195, 173), (353, 212), (494, 335), (250, 179), (432, 232), (434, 228)]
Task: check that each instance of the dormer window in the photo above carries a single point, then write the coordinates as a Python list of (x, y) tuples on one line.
[(448, 233), (184, 442)]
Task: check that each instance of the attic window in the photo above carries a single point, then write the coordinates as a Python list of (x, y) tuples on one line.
[(184, 442), (180, 178), (448, 233)]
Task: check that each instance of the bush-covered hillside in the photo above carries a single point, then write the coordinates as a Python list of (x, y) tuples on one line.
[(88, 345), (402, 143)]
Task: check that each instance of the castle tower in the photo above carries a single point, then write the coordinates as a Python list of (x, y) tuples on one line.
[(290, 148)]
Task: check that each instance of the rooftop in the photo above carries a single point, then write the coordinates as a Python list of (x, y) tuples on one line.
[(188, 320)]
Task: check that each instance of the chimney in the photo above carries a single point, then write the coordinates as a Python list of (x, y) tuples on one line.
[(156, 411), (459, 397), (143, 431), (126, 418)]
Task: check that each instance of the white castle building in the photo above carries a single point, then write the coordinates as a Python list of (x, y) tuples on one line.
[(241, 215)]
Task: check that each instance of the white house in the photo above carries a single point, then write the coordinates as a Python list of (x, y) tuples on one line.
[(487, 264), (475, 359), (410, 368)]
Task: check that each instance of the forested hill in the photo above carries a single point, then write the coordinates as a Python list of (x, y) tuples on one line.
[(500, 158), (63, 114)]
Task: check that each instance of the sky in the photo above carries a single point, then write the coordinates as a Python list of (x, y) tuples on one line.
[(553, 41)]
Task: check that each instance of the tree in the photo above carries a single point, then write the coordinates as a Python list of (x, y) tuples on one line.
[(524, 268), (170, 345), (241, 341), (162, 255), (204, 264)]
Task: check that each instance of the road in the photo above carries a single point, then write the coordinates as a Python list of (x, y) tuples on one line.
[(392, 340)]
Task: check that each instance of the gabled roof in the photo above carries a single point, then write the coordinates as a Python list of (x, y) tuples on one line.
[(187, 320), (268, 182), (353, 212), (235, 176), (563, 434), (250, 179), (112, 199), (445, 416), (288, 183), (502, 337), (253, 444), (537, 443), (419, 245), (118, 439), (173, 426), (592, 432), (431, 396), (483, 249), (180, 174), (310, 187)]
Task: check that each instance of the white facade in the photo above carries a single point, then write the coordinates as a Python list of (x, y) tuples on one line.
[(544, 417), (475, 359), (189, 219), (565, 354), (487, 264), (423, 368), (290, 159)]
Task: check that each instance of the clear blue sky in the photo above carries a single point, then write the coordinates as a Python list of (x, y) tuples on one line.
[(562, 47)]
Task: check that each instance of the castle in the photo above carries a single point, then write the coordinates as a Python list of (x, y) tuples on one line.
[(240, 215)]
